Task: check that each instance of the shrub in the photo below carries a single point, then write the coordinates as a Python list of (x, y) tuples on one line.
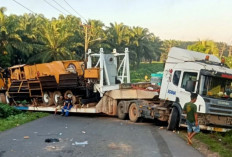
[(6, 111)]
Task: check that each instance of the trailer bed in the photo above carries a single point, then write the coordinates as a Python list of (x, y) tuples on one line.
[(52, 109)]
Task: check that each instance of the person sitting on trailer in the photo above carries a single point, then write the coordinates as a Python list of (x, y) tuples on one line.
[(60, 103), (67, 105)]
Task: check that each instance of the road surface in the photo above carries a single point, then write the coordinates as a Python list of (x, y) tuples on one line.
[(92, 136)]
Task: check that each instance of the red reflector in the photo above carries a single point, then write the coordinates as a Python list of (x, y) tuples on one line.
[(227, 76)]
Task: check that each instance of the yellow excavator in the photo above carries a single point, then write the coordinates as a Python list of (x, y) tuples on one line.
[(46, 81)]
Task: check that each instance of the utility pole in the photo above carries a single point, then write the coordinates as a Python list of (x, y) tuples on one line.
[(87, 38), (86, 27)]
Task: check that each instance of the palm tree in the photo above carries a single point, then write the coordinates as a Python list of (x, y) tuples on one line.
[(11, 44), (205, 46), (141, 43), (118, 36), (156, 44), (166, 46), (57, 41)]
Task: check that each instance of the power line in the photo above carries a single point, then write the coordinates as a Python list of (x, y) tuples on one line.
[(62, 7), (54, 7), (75, 10), (24, 6)]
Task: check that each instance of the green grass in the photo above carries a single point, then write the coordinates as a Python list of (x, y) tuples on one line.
[(19, 119), (217, 142), (137, 75)]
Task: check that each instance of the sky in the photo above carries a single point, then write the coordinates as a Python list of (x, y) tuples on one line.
[(187, 20)]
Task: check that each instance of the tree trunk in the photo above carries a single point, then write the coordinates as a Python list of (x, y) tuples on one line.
[(138, 63), (230, 51), (222, 51)]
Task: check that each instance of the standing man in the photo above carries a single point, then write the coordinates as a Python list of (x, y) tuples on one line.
[(192, 119), (67, 105)]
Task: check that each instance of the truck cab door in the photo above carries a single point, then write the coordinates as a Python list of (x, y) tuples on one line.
[(182, 94)]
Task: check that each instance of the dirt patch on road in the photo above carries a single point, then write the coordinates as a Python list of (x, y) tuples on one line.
[(120, 146), (54, 148)]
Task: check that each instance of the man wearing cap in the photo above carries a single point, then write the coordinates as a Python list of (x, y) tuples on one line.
[(67, 105)]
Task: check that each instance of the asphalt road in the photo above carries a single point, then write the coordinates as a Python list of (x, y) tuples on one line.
[(92, 136)]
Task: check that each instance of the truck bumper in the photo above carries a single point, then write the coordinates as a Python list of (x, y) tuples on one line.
[(210, 128)]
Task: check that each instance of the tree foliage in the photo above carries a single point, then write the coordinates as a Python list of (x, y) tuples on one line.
[(205, 46), (32, 38)]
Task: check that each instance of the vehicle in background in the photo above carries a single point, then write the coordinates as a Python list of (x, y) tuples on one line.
[(156, 78)]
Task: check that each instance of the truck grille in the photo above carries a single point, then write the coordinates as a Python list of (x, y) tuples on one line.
[(220, 107)]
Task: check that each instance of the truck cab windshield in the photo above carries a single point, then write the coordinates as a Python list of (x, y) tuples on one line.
[(216, 87)]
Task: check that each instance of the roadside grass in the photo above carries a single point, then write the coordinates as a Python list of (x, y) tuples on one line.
[(11, 117), (19, 119), (137, 75), (212, 143), (217, 142)]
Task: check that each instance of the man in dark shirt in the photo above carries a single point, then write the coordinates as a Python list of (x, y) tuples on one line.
[(192, 122), (67, 105)]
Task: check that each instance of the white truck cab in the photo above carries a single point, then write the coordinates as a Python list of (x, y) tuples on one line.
[(188, 71)]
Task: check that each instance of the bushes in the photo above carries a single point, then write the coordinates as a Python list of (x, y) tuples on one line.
[(6, 111)]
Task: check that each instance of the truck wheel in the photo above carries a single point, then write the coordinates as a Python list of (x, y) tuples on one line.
[(134, 112), (173, 119), (47, 98), (74, 99), (55, 96), (121, 114), (2, 98)]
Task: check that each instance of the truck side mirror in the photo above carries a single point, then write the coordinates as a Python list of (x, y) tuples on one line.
[(190, 84)]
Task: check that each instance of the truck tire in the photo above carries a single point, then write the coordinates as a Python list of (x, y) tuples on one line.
[(74, 99), (173, 119), (56, 96), (2, 98), (134, 112), (121, 114), (47, 98)]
